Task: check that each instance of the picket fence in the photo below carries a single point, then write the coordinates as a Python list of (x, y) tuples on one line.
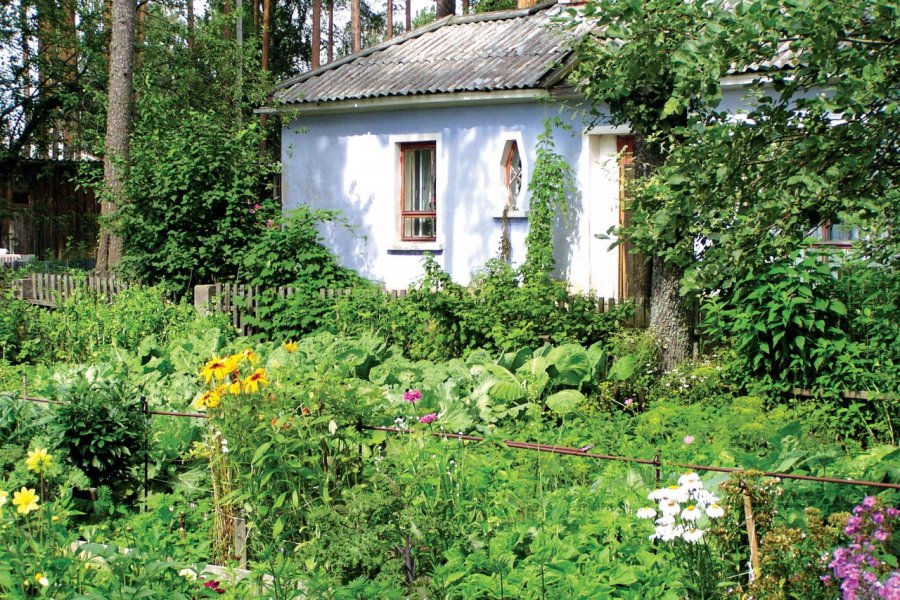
[(239, 301), (242, 301), (48, 289)]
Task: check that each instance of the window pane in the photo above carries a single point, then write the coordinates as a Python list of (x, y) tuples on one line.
[(418, 179), (418, 227)]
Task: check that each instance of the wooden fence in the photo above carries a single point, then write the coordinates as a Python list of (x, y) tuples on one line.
[(238, 300), (242, 301), (46, 289)]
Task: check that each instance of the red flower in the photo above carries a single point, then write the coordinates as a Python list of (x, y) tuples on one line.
[(214, 586)]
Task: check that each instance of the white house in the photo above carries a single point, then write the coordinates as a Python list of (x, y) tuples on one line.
[(423, 140)]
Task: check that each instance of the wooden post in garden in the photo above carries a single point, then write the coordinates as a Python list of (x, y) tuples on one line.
[(751, 536), (240, 540)]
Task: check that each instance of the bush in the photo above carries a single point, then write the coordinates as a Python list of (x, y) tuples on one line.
[(100, 427), (85, 324), (440, 319)]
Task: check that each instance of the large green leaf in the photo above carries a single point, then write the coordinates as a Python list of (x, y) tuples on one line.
[(564, 401), (623, 368), (568, 365)]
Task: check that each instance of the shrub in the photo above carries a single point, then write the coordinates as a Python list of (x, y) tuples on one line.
[(100, 427)]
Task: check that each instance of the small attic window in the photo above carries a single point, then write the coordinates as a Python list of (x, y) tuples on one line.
[(512, 175)]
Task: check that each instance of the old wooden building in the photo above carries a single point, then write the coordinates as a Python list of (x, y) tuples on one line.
[(45, 212)]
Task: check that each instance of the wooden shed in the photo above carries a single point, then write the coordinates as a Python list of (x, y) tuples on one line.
[(43, 210)]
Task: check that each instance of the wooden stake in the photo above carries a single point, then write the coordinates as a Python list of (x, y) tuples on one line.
[(751, 537)]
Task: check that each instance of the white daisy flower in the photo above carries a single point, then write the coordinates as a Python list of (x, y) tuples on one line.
[(667, 533), (669, 508), (646, 513), (715, 511), (692, 535), (690, 481), (691, 513), (666, 520)]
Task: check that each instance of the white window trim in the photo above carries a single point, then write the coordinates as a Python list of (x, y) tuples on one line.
[(521, 211), (441, 176)]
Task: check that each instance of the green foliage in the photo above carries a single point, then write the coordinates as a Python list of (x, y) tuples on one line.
[(85, 325), (293, 255), (100, 427), (439, 319), (551, 186), (749, 190)]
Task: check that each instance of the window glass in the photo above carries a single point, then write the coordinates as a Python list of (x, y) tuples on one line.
[(513, 176), (418, 213)]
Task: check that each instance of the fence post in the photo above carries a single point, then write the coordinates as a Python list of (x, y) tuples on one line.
[(751, 536), (240, 539)]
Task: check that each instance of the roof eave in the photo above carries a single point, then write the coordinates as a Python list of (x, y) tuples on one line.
[(382, 103)]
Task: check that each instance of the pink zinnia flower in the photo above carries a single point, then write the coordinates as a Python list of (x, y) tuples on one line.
[(412, 396), (688, 439), (429, 418)]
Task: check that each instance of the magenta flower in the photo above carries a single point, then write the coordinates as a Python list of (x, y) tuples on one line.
[(688, 439), (214, 585), (412, 396), (429, 418)]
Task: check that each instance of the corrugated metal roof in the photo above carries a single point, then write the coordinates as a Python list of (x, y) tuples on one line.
[(477, 53), (507, 50)]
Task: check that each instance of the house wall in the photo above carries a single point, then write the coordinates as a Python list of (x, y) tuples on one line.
[(350, 162)]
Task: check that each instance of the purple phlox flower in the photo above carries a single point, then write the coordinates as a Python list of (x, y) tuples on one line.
[(412, 396), (869, 502), (877, 518), (853, 524), (429, 418)]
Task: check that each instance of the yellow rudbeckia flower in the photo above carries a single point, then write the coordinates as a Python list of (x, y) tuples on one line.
[(234, 387), (25, 501), (217, 368), (249, 355), (253, 383), (290, 346), (208, 399), (38, 460)]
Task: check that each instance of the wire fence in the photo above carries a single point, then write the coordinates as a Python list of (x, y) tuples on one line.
[(562, 450)]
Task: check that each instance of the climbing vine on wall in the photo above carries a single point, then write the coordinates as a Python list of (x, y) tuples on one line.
[(551, 184)]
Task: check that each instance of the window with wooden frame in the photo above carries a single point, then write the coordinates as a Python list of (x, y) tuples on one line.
[(418, 203), (513, 176)]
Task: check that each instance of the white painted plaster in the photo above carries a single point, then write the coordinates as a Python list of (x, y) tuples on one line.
[(349, 161)]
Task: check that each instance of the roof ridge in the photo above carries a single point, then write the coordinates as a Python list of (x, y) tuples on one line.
[(499, 15)]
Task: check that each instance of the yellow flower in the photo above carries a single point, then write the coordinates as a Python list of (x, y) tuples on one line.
[(249, 355), (290, 346), (41, 579), (254, 381), (25, 501), (38, 460), (216, 368), (234, 387), (209, 398)]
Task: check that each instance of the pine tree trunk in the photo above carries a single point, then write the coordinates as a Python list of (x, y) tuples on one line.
[(266, 33), (316, 42), (408, 15), (330, 30), (118, 126), (190, 24), (389, 33), (355, 35)]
